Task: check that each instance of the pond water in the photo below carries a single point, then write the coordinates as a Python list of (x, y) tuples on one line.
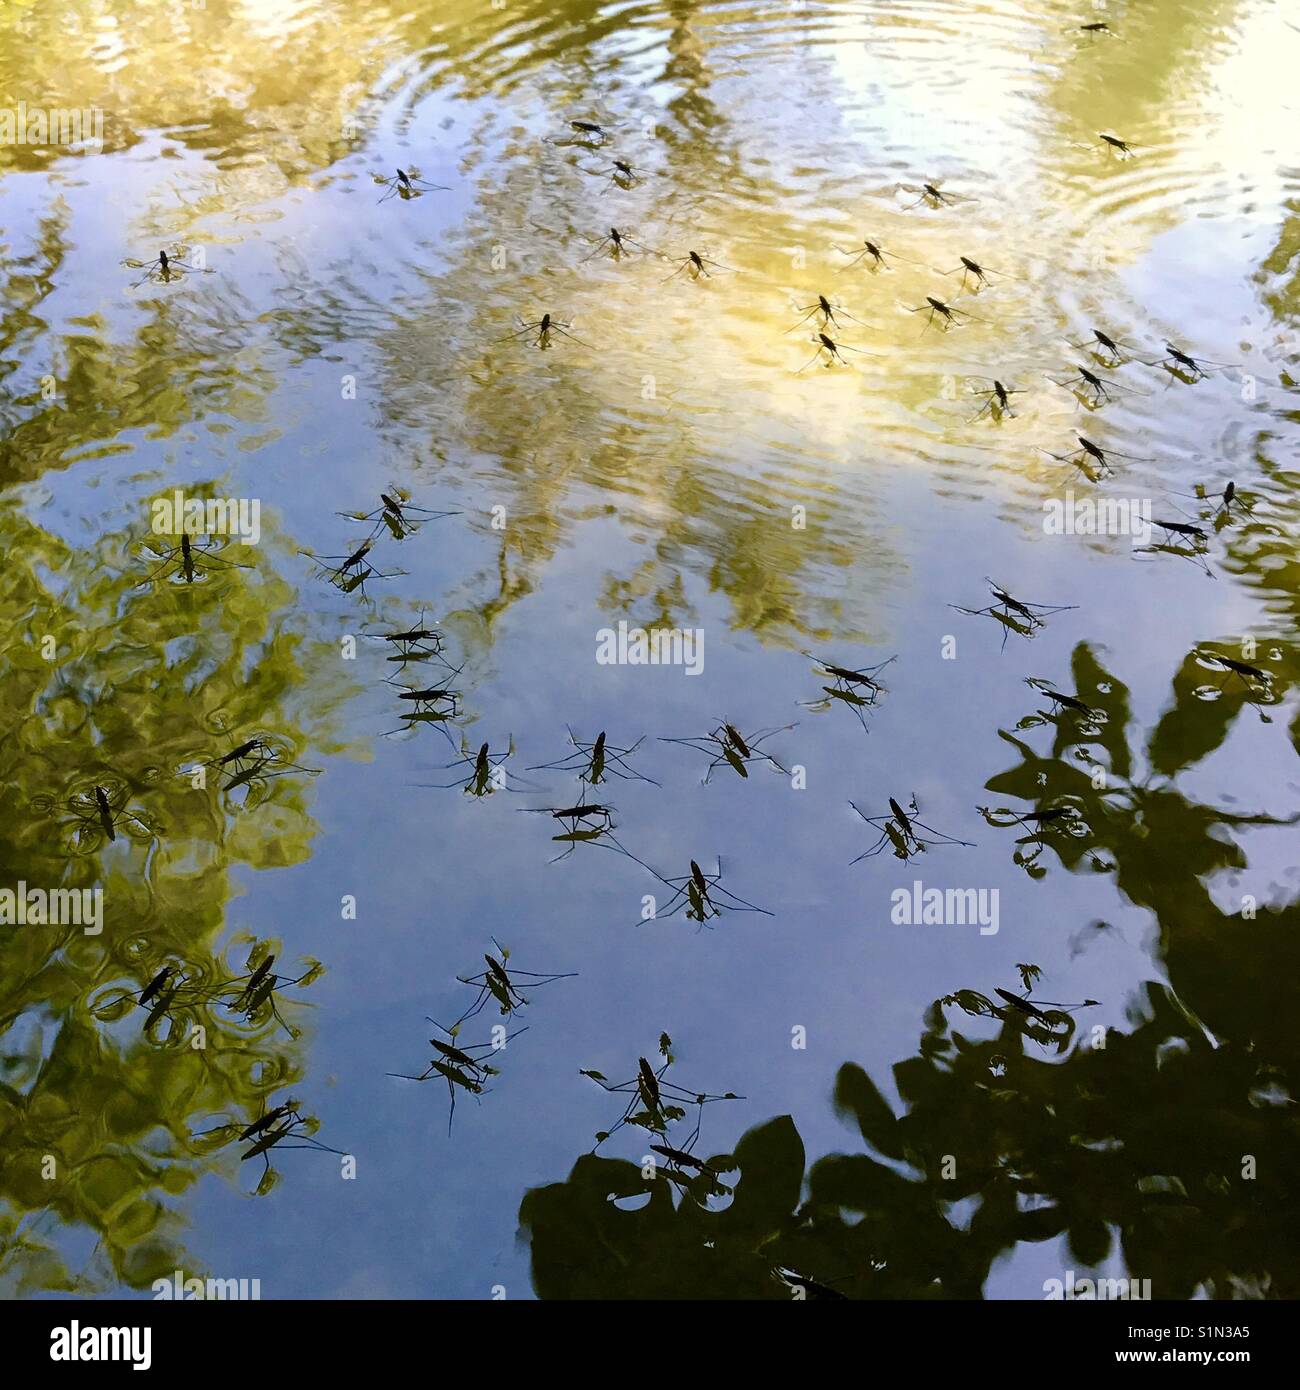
[(675, 447)]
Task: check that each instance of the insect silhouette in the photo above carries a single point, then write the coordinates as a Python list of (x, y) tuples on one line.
[(618, 243), (406, 184), (832, 350), (1015, 615), (159, 986), (696, 266), (544, 327), (1061, 701), (589, 135), (1042, 1020), (1040, 825), (156, 997), (877, 254), (165, 268), (256, 761), (898, 830), (250, 993), (1230, 495), (584, 823), (827, 310), (949, 315), (978, 274), (500, 983), (1112, 347), (1121, 148), (1187, 368), (934, 196), (353, 569), (418, 643), (1220, 511), (486, 773), (461, 1068), (701, 897), (97, 813), (186, 562), (858, 690), (270, 1131), (597, 761), (656, 1104), (1182, 538), (1022, 1003), (621, 173), (997, 400), (397, 514), (1091, 390), (1257, 682), (1093, 461), (726, 744), (429, 704)]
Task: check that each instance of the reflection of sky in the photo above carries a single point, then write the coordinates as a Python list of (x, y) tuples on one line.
[(436, 874)]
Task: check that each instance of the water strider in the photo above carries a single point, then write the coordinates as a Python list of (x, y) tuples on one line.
[(438, 705), (1041, 826), (827, 310), (1182, 364), (622, 174), (590, 128), (583, 823), (1112, 347), (397, 514), (700, 897), (877, 254), (1086, 381), (695, 266), (498, 982), (353, 569), (165, 267), (1123, 148), (975, 272), (678, 475), (406, 184), (190, 561), (1092, 460), (949, 315), (997, 400), (487, 772), (256, 760), (1015, 615), (858, 690), (543, 327), (897, 831), (618, 244), (460, 1068), (934, 196), (726, 744), (1060, 700), (656, 1104), (832, 350), (99, 812), (598, 760)]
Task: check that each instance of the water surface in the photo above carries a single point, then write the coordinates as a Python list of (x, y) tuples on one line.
[(679, 462)]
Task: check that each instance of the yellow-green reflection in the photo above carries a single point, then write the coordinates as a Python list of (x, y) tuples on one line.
[(111, 680)]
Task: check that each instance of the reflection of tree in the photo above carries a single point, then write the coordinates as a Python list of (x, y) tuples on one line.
[(156, 381), (143, 681), (1091, 769), (1176, 1136)]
